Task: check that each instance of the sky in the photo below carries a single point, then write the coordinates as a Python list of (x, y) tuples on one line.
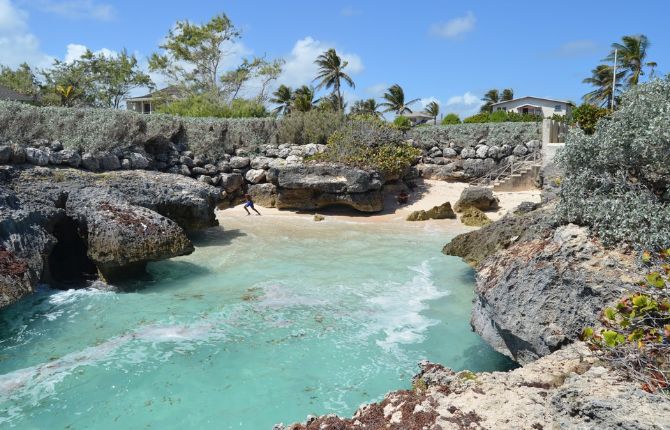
[(451, 52)]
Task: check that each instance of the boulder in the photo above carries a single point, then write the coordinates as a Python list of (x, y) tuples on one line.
[(419, 215), (205, 179), (260, 163), (534, 145), (255, 176), (239, 162), (473, 217), (232, 182), (520, 150), (477, 197), (493, 152), (482, 151), (5, 154), (38, 157), (293, 159), (449, 153), (476, 167), (264, 195), (18, 154), (138, 161), (109, 161), (439, 172), (468, 153), (90, 162), (66, 157), (186, 161), (436, 212)]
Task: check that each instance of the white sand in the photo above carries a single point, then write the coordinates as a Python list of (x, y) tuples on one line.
[(425, 196)]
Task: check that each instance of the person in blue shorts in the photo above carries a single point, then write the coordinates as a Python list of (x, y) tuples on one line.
[(249, 204)]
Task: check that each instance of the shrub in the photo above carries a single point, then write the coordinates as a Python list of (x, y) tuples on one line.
[(636, 332), (370, 144), (402, 123), (204, 106), (617, 180), (587, 116), (477, 118), (498, 116), (315, 126), (450, 119)]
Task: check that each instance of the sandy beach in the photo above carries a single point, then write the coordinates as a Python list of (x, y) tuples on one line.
[(427, 194)]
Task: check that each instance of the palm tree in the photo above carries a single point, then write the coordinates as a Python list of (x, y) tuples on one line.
[(303, 99), (284, 98), (433, 109), (331, 74), (491, 97), (601, 79), (331, 102), (631, 56), (366, 107), (507, 95), (395, 100)]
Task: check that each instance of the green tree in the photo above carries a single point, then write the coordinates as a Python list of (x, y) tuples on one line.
[(114, 77), (366, 107), (192, 54), (507, 95), (433, 109), (331, 74), (69, 84), (303, 99), (450, 119), (283, 97), (22, 80), (395, 100), (402, 123), (602, 79), (267, 72), (331, 103), (632, 56), (491, 97), (587, 116)]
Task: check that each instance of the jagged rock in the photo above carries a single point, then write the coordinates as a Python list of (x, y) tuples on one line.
[(232, 182), (493, 152), (520, 150), (205, 179), (473, 217), (534, 145), (18, 154), (186, 161), (436, 212), (476, 167), (313, 186), (478, 197), (568, 389), (482, 151), (184, 170), (468, 153), (260, 163), (264, 195), (122, 238), (37, 157), (439, 172), (449, 153), (138, 161), (525, 207), (255, 176)]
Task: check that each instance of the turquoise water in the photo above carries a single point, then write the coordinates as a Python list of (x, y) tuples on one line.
[(268, 321)]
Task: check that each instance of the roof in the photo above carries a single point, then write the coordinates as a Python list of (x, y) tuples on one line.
[(417, 115), (532, 97), (10, 94), (171, 91)]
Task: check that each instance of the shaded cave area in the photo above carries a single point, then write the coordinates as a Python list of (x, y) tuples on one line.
[(69, 265)]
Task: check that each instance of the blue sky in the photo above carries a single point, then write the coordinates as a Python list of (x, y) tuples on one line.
[(450, 51)]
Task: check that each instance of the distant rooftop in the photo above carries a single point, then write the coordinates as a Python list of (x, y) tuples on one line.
[(532, 97), (171, 91)]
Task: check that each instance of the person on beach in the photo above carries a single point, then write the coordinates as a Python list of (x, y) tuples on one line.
[(249, 204), (403, 197)]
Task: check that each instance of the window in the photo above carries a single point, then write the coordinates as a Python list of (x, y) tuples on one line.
[(558, 108)]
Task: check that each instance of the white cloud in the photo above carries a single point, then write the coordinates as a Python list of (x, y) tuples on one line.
[(467, 99), (300, 68), (75, 51), (456, 27), (17, 43), (76, 9), (578, 48), (463, 105), (427, 100), (377, 90)]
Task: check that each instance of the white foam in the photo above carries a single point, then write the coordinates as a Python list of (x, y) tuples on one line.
[(282, 296)]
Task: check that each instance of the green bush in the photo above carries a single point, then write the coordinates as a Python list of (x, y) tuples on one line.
[(498, 116), (450, 119), (204, 106), (477, 118), (402, 123), (617, 180), (636, 332), (370, 144), (587, 116), (314, 126)]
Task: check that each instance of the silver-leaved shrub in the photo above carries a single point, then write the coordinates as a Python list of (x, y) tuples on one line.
[(617, 180)]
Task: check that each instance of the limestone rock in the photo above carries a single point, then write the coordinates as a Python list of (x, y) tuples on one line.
[(90, 162), (109, 161), (520, 150), (66, 157), (5, 154), (138, 161), (473, 217), (478, 197), (239, 162), (255, 176), (232, 182), (436, 212), (37, 157), (264, 195)]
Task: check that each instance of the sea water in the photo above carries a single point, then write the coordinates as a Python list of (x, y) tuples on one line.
[(268, 321)]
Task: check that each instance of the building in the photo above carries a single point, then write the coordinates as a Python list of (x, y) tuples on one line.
[(535, 106), (147, 103), (418, 118), (11, 95)]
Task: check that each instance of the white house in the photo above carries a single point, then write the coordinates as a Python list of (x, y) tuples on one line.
[(535, 106), (148, 103), (418, 118)]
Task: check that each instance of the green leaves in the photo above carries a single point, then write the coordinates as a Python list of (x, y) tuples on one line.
[(613, 338), (655, 279)]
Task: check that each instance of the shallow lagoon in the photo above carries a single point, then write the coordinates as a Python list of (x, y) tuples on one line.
[(268, 321)]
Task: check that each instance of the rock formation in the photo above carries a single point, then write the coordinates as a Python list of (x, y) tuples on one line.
[(477, 197), (473, 217), (568, 389), (443, 211)]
